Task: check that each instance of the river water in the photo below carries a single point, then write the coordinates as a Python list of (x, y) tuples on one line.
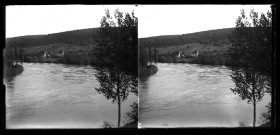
[(192, 95), (48, 95)]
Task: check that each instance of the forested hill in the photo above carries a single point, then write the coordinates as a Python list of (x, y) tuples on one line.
[(211, 37), (80, 37), (85, 36)]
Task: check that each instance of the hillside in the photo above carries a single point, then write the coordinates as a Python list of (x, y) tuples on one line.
[(212, 47), (78, 37), (212, 37), (85, 36)]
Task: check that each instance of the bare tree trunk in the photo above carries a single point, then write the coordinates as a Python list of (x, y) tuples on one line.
[(155, 55), (150, 55), (119, 101), (119, 113), (254, 114), (254, 102), (16, 55), (20, 54)]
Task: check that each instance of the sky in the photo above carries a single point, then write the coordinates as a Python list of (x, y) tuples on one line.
[(45, 19), (183, 19), (153, 20)]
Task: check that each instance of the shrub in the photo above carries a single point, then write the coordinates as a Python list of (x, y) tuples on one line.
[(206, 59), (107, 124), (75, 59)]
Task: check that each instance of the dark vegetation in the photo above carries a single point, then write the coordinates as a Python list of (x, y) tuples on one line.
[(77, 59), (145, 69), (212, 46), (131, 120), (211, 37), (116, 53), (76, 44), (251, 53), (75, 37)]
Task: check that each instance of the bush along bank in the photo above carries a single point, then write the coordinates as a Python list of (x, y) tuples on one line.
[(147, 71), (204, 59), (75, 59)]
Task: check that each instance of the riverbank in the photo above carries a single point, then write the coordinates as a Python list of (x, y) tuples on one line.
[(149, 70), (180, 94), (51, 94), (133, 124), (12, 70), (76, 59), (204, 59)]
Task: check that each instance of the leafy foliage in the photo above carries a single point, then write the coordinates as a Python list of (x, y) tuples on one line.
[(117, 42), (133, 115), (143, 57), (266, 117), (116, 52), (107, 124), (114, 84), (249, 85), (250, 50)]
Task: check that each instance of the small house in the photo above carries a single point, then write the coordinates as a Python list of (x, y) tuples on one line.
[(47, 54), (195, 54), (60, 53), (180, 55)]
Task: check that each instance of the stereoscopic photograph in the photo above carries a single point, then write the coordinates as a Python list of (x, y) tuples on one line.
[(205, 66), (71, 66), (139, 66)]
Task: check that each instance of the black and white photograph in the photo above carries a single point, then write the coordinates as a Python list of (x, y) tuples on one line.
[(205, 66), (71, 66), (133, 66)]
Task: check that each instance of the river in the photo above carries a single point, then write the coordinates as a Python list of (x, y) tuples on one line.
[(193, 95), (49, 95)]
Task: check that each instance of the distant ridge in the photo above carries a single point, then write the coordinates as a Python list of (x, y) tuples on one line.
[(85, 36), (213, 37), (82, 37)]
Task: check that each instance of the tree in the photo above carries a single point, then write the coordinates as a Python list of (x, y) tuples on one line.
[(143, 57), (116, 52), (266, 117), (133, 115), (251, 53)]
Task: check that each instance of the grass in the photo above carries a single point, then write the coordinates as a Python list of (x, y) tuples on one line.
[(189, 48), (74, 54), (209, 54)]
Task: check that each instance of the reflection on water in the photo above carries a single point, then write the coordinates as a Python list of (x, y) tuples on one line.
[(191, 95), (58, 96)]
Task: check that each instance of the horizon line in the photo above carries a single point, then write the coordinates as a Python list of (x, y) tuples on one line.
[(99, 27)]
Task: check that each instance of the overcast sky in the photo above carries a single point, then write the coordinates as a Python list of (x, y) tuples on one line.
[(154, 20), (46, 19), (182, 19)]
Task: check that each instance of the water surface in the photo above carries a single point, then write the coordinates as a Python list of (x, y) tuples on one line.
[(48, 95), (192, 95)]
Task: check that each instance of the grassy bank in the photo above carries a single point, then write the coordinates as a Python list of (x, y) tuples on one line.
[(74, 54), (76, 59), (208, 54)]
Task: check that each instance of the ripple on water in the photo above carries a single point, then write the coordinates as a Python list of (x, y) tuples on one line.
[(191, 94), (46, 94)]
